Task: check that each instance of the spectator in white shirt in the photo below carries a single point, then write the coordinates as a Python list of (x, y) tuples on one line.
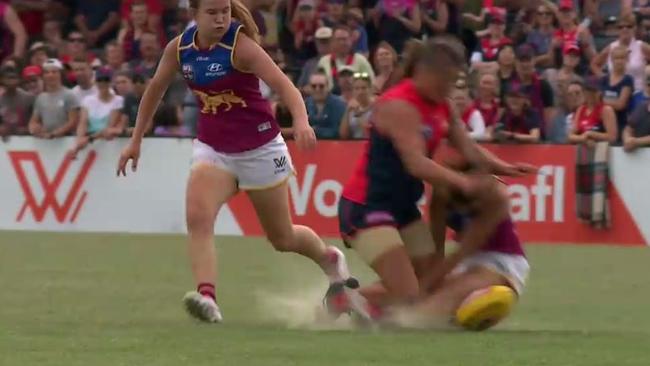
[(100, 113), (83, 73), (471, 116)]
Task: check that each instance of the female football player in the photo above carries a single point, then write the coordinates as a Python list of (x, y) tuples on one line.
[(239, 146), (378, 212)]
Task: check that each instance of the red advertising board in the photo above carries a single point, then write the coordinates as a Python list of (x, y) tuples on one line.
[(543, 205)]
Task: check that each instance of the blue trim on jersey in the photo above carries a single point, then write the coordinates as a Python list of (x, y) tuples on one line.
[(202, 67)]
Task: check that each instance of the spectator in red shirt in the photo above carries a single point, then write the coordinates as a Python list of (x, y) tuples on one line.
[(132, 30), (304, 25), (76, 48), (570, 32), (485, 56), (13, 37), (487, 101)]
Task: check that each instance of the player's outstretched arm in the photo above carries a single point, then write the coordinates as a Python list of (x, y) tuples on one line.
[(157, 87), (251, 57)]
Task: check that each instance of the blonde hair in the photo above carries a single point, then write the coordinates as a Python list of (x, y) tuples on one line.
[(241, 13)]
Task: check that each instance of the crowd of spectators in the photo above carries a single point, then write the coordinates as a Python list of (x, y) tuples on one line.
[(564, 71)]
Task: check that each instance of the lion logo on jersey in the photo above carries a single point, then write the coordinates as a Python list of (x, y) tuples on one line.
[(211, 103)]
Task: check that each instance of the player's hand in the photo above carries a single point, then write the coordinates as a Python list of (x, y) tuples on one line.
[(519, 169), (130, 152), (305, 136)]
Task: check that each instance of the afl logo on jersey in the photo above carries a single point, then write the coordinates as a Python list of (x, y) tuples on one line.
[(188, 72)]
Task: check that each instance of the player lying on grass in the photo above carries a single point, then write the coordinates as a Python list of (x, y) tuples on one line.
[(480, 287)]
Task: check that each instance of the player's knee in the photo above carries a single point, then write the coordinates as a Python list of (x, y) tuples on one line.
[(282, 241), (199, 217)]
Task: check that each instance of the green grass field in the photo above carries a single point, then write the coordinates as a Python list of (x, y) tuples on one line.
[(115, 300)]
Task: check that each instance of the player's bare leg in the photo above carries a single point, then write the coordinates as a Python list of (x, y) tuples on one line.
[(272, 208), (440, 308), (208, 189)]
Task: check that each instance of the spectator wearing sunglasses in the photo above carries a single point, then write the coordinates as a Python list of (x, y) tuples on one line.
[(542, 35), (77, 49), (638, 52), (357, 115), (99, 117), (325, 109)]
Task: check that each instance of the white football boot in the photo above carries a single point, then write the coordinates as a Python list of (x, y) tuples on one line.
[(201, 307)]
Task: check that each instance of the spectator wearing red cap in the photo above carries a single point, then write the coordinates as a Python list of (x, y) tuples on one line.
[(133, 29), (571, 32), (484, 56), (538, 90), (13, 36), (519, 122), (56, 110), (568, 70), (15, 104), (398, 21), (99, 117), (32, 80), (560, 79), (638, 51)]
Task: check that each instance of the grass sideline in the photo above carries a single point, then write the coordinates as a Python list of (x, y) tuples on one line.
[(91, 299)]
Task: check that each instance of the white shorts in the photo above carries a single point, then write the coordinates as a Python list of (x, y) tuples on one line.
[(514, 268), (264, 167)]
